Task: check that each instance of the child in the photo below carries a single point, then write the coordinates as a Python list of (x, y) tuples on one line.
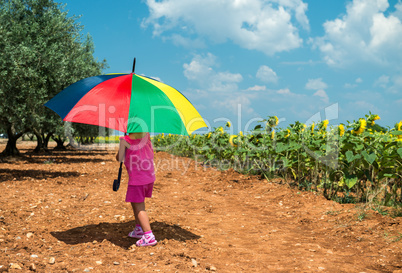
[(137, 153)]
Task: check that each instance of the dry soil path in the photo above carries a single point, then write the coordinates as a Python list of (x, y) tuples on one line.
[(58, 213)]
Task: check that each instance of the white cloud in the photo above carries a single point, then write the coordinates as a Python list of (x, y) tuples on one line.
[(200, 70), (242, 101), (266, 74), (316, 84), (398, 10), (199, 67), (364, 93), (319, 86), (257, 88), (225, 81), (366, 33), (323, 95), (285, 91), (396, 85), (397, 80), (353, 85), (152, 77), (366, 106), (292, 106), (266, 26), (350, 85), (300, 9), (309, 62), (179, 40), (382, 81)]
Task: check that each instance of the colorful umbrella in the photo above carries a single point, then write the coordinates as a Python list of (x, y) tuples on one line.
[(128, 103)]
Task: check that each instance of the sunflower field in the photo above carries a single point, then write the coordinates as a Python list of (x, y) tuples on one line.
[(355, 162), (108, 139)]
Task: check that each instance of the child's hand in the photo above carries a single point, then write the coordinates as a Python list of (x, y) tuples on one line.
[(117, 156), (122, 150)]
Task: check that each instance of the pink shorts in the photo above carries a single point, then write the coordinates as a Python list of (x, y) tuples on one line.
[(137, 194)]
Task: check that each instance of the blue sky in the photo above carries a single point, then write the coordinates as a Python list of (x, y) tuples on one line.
[(243, 60)]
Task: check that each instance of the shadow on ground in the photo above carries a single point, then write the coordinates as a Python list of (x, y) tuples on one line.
[(57, 158), (64, 160), (116, 233), (20, 175)]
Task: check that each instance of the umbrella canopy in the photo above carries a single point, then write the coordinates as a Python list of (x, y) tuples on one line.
[(128, 103)]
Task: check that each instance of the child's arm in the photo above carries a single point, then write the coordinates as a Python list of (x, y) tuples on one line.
[(122, 150)]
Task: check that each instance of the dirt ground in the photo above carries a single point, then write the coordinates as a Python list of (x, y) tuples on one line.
[(58, 213)]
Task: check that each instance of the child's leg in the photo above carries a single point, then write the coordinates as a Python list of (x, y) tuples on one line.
[(137, 232), (141, 217), (148, 239), (137, 223)]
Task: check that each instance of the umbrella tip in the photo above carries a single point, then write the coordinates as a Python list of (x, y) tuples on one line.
[(133, 65)]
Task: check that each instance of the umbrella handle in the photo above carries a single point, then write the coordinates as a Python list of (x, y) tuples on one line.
[(119, 176), (116, 182)]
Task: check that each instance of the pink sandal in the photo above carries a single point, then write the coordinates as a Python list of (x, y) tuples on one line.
[(136, 233), (147, 240)]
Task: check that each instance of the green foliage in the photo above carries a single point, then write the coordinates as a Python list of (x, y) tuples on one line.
[(42, 53), (85, 133), (345, 163)]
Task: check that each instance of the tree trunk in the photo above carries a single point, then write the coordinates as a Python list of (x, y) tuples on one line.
[(11, 147), (30, 136), (40, 147), (60, 143), (46, 140)]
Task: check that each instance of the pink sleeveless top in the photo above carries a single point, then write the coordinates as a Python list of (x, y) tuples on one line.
[(139, 161)]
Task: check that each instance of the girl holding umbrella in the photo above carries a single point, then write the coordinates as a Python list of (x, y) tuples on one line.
[(137, 153)]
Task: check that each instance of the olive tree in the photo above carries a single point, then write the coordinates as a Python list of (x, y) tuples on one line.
[(43, 52)]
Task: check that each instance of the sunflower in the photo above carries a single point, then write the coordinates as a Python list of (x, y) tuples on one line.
[(241, 133), (288, 134), (312, 127), (362, 127), (228, 124), (272, 134), (272, 121), (341, 130), (232, 137), (399, 127), (325, 124), (376, 117)]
